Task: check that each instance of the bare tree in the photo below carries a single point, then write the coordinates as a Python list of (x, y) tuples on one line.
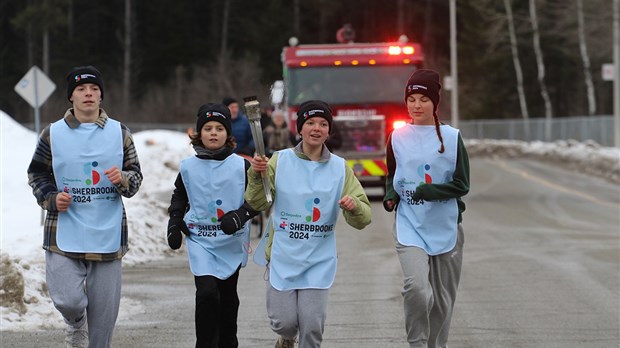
[(225, 15), (127, 58), (40, 18), (517, 64), (585, 58), (70, 30), (222, 71), (224, 55), (581, 31), (30, 44), (323, 13), (429, 47), (401, 17), (46, 51), (541, 69), (296, 18)]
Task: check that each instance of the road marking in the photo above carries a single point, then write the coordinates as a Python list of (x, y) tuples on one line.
[(542, 181)]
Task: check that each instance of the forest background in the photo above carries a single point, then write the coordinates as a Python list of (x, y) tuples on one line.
[(161, 59)]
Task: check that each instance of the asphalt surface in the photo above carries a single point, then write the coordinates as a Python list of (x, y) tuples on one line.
[(541, 269)]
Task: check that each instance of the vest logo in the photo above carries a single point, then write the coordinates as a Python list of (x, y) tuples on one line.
[(283, 224), (315, 212), (213, 209), (423, 173), (403, 182), (93, 176)]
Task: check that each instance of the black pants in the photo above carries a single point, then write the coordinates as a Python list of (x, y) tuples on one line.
[(217, 305)]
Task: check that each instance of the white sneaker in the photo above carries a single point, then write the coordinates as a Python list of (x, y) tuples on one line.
[(284, 343), (77, 337)]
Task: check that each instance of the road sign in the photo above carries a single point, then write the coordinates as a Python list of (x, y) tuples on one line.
[(607, 71), (35, 87), (447, 82)]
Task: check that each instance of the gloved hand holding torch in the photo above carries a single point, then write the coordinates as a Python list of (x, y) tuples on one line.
[(252, 109)]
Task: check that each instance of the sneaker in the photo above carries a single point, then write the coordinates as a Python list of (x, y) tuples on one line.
[(77, 337), (284, 343)]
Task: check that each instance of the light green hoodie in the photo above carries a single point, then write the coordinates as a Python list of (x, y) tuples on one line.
[(255, 195)]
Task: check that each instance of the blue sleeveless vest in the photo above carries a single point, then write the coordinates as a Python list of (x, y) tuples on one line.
[(214, 188), (430, 225), (303, 254), (93, 221)]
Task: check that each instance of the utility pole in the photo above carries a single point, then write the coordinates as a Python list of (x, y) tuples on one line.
[(616, 43), (454, 93)]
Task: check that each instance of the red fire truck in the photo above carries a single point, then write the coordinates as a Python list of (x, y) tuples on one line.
[(364, 84)]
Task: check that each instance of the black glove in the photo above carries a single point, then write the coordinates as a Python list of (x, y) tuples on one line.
[(235, 219), (176, 225)]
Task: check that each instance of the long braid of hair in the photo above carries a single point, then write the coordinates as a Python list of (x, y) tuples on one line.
[(441, 149)]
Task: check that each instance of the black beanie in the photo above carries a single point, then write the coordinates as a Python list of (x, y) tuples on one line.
[(83, 74), (228, 100), (313, 108), (213, 112), (426, 82)]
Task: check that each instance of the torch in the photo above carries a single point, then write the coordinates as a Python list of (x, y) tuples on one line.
[(252, 109)]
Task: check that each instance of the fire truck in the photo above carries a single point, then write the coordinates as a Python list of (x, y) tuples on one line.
[(364, 85)]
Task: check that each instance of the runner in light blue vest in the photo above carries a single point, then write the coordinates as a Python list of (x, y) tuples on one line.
[(310, 186), (83, 164), (93, 221), (208, 207), (430, 225), (304, 217), (428, 173), (210, 250)]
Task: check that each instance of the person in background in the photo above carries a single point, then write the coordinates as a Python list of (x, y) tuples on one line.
[(209, 184), (280, 137), (310, 186), (240, 128), (265, 119), (82, 165), (428, 173)]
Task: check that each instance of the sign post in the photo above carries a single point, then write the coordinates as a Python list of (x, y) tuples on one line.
[(454, 92), (35, 87)]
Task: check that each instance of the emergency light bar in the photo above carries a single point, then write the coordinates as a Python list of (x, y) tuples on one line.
[(356, 54), (323, 52)]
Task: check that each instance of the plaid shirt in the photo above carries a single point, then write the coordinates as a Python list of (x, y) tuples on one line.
[(41, 179)]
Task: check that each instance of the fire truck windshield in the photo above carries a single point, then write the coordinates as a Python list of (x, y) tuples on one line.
[(348, 85)]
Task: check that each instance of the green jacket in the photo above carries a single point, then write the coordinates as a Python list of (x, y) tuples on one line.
[(255, 195)]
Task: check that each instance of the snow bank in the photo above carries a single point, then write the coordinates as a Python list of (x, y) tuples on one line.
[(588, 157)]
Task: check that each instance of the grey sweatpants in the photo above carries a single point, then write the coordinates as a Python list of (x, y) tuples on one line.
[(79, 287), (303, 310), (429, 292)]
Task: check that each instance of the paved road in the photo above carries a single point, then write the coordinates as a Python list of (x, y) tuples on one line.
[(541, 269)]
